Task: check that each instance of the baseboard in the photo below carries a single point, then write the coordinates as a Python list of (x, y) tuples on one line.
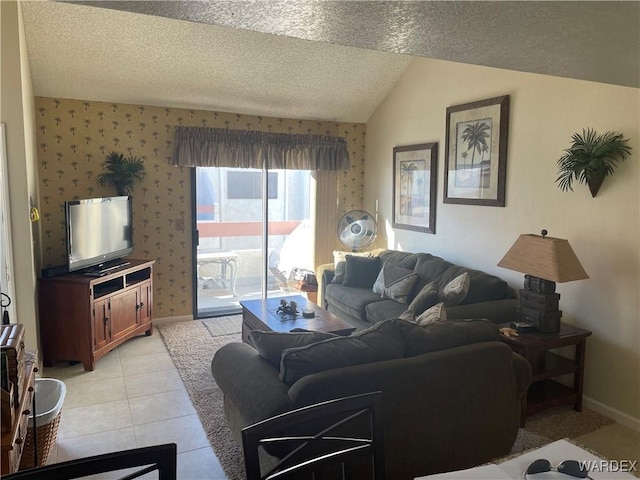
[(181, 318), (617, 415)]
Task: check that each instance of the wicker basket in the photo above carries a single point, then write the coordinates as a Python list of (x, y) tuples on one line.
[(47, 435)]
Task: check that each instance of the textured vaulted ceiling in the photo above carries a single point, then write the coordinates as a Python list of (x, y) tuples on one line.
[(326, 60)]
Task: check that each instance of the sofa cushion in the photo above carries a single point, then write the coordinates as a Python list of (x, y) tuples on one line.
[(271, 344), (395, 282), (383, 310), (454, 292), (361, 272), (353, 300), (429, 268), (437, 313), (383, 341), (400, 259), (443, 335), (497, 311), (482, 286)]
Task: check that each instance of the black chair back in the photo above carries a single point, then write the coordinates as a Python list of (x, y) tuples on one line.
[(341, 438), (162, 458)]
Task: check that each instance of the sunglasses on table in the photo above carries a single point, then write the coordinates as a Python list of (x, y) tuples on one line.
[(572, 468)]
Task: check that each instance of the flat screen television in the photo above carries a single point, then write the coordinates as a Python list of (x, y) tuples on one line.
[(99, 232)]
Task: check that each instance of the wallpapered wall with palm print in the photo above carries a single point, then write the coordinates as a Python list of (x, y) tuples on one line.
[(75, 136)]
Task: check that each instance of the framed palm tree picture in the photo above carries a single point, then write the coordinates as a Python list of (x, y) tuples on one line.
[(414, 187), (476, 152)]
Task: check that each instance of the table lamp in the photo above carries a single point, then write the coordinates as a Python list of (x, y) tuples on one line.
[(544, 261)]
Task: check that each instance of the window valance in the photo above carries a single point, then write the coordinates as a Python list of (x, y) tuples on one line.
[(219, 147)]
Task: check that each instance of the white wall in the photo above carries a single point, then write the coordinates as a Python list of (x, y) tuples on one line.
[(18, 113), (603, 231)]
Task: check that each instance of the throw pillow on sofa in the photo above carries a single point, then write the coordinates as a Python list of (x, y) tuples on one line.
[(483, 287), (270, 345), (361, 272), (383, 341), (426, 298), (454, 292), (395, 282), (340, 263), (437, 313)]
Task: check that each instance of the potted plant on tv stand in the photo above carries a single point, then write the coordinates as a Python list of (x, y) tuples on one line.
[(590, 158), (121, 173)]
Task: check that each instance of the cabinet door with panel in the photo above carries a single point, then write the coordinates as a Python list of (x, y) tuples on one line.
[(101, 325), (145, 303), (124, 313)]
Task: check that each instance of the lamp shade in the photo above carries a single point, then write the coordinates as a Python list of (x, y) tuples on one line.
[(545, 257)]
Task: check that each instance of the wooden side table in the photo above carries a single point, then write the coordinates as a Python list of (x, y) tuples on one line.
[(545, 392)]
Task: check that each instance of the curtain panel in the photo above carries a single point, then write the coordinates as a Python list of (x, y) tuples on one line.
[(219, 147)]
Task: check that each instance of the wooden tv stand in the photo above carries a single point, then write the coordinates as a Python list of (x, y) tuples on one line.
[(84, 317)]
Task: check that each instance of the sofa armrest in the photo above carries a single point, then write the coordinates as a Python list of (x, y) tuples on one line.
[(249, 382), (523, 373), (497, 311), (325, 274)]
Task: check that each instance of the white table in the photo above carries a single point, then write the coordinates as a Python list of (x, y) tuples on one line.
[(224, 259), (513, 469)]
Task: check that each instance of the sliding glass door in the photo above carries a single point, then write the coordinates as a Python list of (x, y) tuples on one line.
[(254, 232), (6, 250)]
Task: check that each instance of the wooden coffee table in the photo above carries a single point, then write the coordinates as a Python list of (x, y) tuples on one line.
[(261, 315)]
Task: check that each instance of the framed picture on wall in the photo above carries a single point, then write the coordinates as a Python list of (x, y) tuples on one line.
[(476, 152), (414, 187)]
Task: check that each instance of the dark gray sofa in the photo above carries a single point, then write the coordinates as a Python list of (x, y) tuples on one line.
[(488, 297), (451, 390)]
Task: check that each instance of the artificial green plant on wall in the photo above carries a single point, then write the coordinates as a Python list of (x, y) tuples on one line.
[(121, 173), (591, 158)]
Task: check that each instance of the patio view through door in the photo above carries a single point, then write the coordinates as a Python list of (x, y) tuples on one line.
[(254, 232)]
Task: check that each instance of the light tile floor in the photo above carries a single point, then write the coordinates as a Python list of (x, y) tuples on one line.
[(134, 398), (615, 442)]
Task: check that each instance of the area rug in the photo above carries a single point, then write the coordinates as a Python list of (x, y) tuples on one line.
[(192, 345), (223, 325)]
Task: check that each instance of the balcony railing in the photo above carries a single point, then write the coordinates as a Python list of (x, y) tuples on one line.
[(227, 275), (211, 228)]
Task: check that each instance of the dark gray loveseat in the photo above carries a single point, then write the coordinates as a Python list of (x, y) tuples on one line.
[(488, 297), (450, 390)]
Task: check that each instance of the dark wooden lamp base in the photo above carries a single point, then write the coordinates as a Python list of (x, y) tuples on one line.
[(539, 304)]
